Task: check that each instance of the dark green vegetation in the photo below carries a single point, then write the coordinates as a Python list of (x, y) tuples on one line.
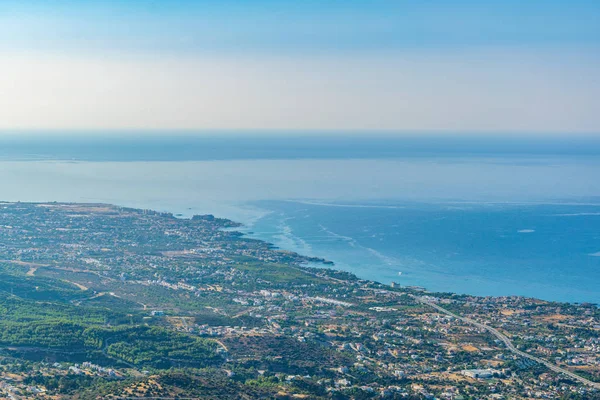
[(50, 329)]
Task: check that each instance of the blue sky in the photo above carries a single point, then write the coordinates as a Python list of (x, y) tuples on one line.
[(297, 26), (419, 65)]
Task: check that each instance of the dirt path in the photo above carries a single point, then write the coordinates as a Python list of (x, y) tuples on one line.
[(79, 285), (222, 345)]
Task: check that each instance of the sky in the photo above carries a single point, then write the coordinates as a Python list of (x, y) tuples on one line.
[(394, 66)]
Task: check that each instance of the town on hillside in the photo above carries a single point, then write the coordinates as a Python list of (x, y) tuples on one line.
[(100, 301)]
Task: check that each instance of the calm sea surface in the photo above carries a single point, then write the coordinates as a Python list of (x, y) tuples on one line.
[(493, 218), (549, 251)]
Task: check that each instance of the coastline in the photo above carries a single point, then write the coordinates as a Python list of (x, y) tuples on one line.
[(326, 263), (287, 238), (321, 260), (225, 188)]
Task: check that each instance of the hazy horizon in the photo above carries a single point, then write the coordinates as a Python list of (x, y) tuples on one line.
[(374, 66), (256, 145)]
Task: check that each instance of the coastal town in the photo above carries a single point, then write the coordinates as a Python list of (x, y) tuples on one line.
[(101, 301)]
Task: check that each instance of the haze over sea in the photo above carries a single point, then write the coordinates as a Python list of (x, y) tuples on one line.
[(484, 216)]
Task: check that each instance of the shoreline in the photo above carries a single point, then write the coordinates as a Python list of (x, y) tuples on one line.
[(251, 232), (332, 265), (321, 262)]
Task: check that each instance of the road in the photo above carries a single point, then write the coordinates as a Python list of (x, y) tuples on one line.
[(509, 344)]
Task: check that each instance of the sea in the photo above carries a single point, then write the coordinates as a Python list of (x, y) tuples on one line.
[(488, 215)]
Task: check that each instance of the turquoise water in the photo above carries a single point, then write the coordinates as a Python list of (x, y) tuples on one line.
[(549, 251), (486, 217)]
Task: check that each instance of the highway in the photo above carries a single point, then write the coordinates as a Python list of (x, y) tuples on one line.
[(509, 344)]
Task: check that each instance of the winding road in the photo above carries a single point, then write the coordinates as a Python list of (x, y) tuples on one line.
[(509, 344)]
